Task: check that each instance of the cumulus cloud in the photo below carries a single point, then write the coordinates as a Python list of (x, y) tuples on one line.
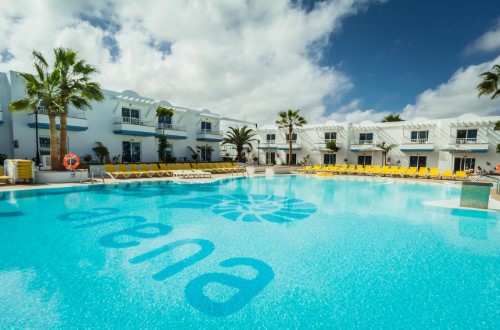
[(238, 58), (455, 97), (487, 43)]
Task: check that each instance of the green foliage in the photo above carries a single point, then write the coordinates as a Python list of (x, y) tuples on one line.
[(162, 111), (290, 119), (87, 158), (101, 152), (332, 146), (497, 126), (489, 85), (392, 118), (239, 136), (385, 149), (498, 148), (162, 145)]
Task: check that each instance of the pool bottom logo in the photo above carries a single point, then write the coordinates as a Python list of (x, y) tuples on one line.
[(251, 208)]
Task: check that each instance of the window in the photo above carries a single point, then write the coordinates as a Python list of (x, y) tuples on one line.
[(206, 127), (206, 154), (270, 158), (270, 138), (330, 136), (131, 116), (294, 159), (131, 152), (419, 136), (365, 138), (294, 137), (464, 164), (44, 145), (467, 136), (364, 160), (165, 122), (418, 161), (329, 159)]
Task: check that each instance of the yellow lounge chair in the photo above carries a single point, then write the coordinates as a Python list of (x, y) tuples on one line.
[(447, 175), (4, 178), (385, 171), (144, 169), (409, 172), (110, 168), (422, 173), (123, 168), (164, 168), (400, 171), (156, 169), (374, 170), (462, 175), (433, 173), (366, 170)]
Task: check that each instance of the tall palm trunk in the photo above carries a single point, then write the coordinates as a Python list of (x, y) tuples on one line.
[(54, 150), (290, 132), (63, 148)]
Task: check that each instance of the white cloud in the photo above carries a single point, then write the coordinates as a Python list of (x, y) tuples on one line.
[(455, 97), (487, 43), (239, 58)]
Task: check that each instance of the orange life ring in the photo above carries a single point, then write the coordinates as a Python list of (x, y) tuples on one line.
[(71, 161), (498, 168)]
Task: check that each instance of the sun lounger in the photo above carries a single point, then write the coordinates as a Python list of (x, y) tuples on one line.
[(123, 168), (447, 175), (4, 178), (110, 169), (409, 172), (461, 175), (422, 173), (162, 172), (433, 173)]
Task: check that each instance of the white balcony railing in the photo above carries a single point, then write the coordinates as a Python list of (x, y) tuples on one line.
[(362, 142), (419, 141), (209, 131), (466, 140), (171, 127), (79, 115), (133, 121)]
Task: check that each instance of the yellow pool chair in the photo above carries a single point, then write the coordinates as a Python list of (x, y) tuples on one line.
[(409, 172), (433, 173), (4, 178), (161, 172), (447, 175), (422, 173), (110, 168), (461, 175), (123, 168)]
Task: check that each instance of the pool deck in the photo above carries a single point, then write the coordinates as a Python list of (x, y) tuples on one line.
[(494, 203)]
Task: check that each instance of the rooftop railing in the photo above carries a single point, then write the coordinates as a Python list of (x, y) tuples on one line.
[(79, 115)]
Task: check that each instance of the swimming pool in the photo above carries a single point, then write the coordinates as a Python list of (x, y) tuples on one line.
[(265, 252)]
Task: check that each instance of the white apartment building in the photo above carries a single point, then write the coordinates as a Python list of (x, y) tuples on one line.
[(454, 143), (125, 123)]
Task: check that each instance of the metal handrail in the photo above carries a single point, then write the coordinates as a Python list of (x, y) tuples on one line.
[(171, 127), (133, 121)]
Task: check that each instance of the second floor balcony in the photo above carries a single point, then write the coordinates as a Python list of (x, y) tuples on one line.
[(209, 135), (175, 132), (470, 144), (133, 126), (363, 142), (417, 144), (75, 121), (286, 145)]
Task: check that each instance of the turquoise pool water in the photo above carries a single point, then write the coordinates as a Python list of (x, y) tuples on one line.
[(282, 252)]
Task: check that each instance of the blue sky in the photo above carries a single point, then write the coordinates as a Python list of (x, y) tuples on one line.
[(396, 50), (335, 60)]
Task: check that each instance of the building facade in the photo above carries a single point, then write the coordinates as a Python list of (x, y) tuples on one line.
[(125, 123), (454, 143)]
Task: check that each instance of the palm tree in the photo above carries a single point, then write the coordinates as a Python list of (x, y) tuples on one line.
[(385, 149), (42, 89), (290, 119), (76, 88), (392, 118), (490, 82), (239, 137)]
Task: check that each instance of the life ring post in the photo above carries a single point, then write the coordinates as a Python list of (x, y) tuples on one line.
[(497, 168), (71, 161)]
